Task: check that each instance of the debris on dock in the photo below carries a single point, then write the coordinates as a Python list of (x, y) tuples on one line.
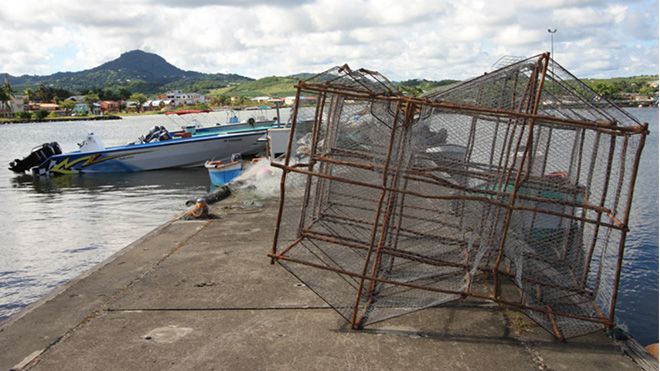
[(514, 186)]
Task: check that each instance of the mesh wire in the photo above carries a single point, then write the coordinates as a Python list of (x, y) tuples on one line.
[(521, 177)]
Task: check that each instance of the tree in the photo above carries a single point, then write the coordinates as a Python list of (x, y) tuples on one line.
[(6, 94), (67, 105), (90, 99), (605, 89), (140, 98)]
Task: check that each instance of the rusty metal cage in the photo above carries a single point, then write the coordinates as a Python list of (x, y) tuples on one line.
[(514, 186)]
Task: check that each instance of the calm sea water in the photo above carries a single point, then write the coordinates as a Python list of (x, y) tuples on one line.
[(53, 229)]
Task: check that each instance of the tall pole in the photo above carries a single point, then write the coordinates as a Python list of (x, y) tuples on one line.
[(552, 32)]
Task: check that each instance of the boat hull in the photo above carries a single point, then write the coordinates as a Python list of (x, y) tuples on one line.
[(185, 152), (223, 174)]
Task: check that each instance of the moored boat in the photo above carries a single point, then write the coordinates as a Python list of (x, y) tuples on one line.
[(159, 149), (222, 173)]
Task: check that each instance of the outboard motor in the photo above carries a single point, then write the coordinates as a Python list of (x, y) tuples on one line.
[(151, 134), (36, 157), (159, 133)]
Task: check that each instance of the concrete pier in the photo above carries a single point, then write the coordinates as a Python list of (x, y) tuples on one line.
[(201, 295)]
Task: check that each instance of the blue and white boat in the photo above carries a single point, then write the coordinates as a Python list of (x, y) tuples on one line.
[(222, 173), (159, 149)]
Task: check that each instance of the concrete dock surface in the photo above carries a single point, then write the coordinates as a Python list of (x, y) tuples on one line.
[(201, 295)]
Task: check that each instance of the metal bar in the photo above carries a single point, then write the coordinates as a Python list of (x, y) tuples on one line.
[(619, 262), (593, 125), (444, 291), (376, 217), (278, 220)]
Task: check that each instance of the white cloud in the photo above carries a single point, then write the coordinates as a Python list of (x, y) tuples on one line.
[(409, 39)]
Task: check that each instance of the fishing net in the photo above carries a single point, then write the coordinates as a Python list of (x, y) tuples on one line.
[(514, 186)]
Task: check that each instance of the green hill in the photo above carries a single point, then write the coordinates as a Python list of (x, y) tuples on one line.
[(272, 86), (616, 86), (137, 71)]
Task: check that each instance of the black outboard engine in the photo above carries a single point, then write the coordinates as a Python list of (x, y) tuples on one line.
[(158, 132), (36, 157)]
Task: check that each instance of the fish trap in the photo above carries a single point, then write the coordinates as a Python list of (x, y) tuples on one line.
[(514, 187)]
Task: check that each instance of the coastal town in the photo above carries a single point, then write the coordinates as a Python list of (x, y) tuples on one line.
[(90, 105)]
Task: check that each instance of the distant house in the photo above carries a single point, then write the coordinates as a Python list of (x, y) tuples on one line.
[(108, 106), (81, 109), (17, 104), (76, 98), (131, 106), (289, 101), (46, 106), (180, 98), (261, 99), (158, 104)]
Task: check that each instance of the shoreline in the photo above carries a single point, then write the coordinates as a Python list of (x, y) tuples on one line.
[(60, 119)]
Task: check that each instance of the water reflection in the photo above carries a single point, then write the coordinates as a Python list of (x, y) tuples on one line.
[(179, 179)]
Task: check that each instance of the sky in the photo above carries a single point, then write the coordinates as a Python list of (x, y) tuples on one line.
[(403, 39)]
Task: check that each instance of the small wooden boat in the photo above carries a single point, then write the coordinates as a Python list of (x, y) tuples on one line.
[(222, 173)]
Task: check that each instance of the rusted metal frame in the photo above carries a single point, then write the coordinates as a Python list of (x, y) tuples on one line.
[(470, 110), (398, 226), (622, 173), (318, 115), (607, 127), (444, 291), (407, 216), (586, 102), (316, 131), (324, 188), (504, 174), (501, 183), (571, 171), (435, 261), (519, 177), (426, 178), (514, 66), (431, 179), (497, 123), (436, 197), (589, 182), (543, 166), (287, 159), (391, 204), (473, 128), (365, 160), (290, 246), (408, 231), (603, 199), (402, 254), (626, 218), (574, 288), (364, 73), (587, 88), (580, 151), (354, 323), (555, 329), (323, 257)]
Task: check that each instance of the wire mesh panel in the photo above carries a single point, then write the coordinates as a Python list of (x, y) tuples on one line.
[(521, 177)]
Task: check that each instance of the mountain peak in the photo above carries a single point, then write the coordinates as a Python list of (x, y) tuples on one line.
[(149, 66), (136, 69)]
